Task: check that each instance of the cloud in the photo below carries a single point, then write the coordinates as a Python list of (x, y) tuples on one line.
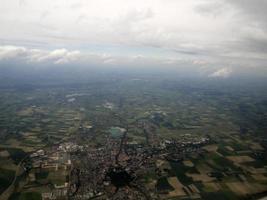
[(41, 59), (25, 58), (63, 56), (222, 73), (57, 56), (9, 52), (200, 62), (254, 11), (213, 9), (220, 32)]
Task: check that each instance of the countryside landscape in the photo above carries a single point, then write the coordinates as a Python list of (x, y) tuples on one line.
[(89, 140), (133, 100)]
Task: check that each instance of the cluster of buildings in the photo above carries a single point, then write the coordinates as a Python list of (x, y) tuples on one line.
[(91, 177), (87, 169), (178, 150), (56, 161)]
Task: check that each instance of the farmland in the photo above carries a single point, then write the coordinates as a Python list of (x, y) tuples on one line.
[(177, 139)]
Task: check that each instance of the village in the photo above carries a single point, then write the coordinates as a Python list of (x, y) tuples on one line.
[(69, 170), (122, 169)]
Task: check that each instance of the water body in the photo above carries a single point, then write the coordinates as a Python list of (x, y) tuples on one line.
[(116, 132)]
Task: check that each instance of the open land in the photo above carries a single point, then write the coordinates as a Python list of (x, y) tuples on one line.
[(147, 139)]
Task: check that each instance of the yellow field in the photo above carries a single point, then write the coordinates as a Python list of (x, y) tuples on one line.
[(188, 163), (229, 148), (201, 177), (211, 148), (259, 177), (26, 112), (254, 170), (256, 146), (240, 159), (212, 187), (244, 188), (203, 168), (178, 187)]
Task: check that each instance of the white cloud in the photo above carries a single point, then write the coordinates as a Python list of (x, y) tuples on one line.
[(200, 62), (60, 56), (64, 56), (24, 57), (57, 56), (222, 73), (172, 24), (8, 52), (85, 59), (171, 32)]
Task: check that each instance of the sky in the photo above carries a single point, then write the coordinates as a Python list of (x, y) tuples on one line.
[(214, 38)]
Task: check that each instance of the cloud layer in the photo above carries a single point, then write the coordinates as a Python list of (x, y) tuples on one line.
[(34, 56), (203, 33), (222, 73)]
